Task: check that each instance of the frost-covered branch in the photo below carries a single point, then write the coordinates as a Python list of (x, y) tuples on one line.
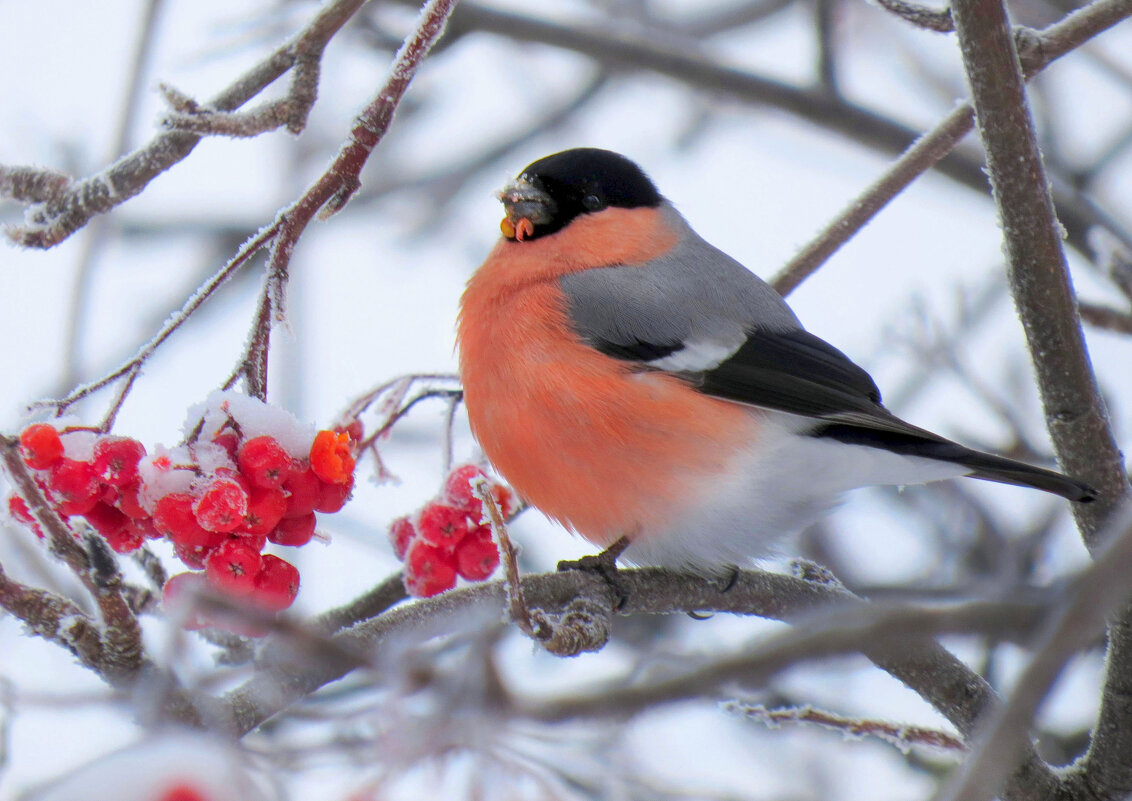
[(60, 206), (958, 693), (1039, 275), (1042, 49), (54, 618), (902, 736), (623, 48), (131, 367), (121, 653)]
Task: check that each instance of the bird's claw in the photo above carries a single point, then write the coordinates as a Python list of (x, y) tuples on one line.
[(604, 565)]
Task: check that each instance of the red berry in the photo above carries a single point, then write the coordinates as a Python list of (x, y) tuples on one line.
[(458, 487), (332, 497), (294, 531), (442, 525), (428, 570), (505, 499), (173, 516), (256, 542), (477, 557), (331, 457), (234, 475), (18, 509), (145, 528), (73, 486), (276, 584), (222, 506), (229, 440), (40, 446), (264, 462), (458, 490), (129, 503), (116, 460), (232, 567), (115, 527), (194, 556), (303, 490), (265, 510), (401, 535)]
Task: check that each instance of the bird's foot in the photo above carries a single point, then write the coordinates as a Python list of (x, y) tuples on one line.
[(725, 582), (603, 564), (722, 583)]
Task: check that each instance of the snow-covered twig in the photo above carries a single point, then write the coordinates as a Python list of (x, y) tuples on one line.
[(903, 736)]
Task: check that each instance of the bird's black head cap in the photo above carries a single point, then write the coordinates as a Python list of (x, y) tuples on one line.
[(581, 181)]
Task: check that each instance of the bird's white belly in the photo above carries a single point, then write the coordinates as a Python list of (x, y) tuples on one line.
[(770, 492)]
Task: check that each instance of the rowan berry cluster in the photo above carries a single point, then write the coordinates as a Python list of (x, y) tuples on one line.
[(219, 500), (448, 536)]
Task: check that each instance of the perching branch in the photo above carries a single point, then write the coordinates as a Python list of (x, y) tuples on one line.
[(961, 695)]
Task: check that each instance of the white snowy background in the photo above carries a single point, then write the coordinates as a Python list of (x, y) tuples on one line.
[(374, 295)]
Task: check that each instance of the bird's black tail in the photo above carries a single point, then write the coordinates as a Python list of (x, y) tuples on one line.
[(917, 442), (1008, 471)]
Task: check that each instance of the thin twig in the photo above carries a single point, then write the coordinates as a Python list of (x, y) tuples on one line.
[(921, 16), (175, 321), (518, 610), (1105, 317), (901, 735)]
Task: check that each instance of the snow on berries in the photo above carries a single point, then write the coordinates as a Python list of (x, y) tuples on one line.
[(448, 537), (247, 474)]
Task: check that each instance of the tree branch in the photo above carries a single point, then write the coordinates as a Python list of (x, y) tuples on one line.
[(628, 49), (1075, 413), (1094, 594), (961, 695), (121, 656), (62, 206), (928, 150)]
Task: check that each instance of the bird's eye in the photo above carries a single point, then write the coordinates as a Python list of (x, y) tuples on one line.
[(592, 202)]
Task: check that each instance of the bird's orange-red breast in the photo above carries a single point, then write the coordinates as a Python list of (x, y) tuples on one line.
[(561, 421), (629, 379)]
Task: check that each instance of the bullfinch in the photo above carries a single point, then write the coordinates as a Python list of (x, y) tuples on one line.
[(630, 380)]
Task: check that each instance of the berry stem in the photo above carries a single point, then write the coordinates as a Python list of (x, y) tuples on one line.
[(517, 604)]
